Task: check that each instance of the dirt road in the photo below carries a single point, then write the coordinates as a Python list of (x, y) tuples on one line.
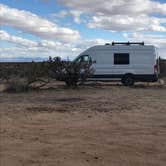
[(89, 126)]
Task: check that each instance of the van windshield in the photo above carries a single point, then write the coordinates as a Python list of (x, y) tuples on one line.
[(82, 58)]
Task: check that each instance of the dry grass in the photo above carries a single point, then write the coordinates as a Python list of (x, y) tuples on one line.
[(99, 125)]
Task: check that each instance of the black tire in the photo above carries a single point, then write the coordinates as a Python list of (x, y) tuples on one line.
[(128, 80)]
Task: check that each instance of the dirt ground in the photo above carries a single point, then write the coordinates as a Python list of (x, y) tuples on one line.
[(101, 125)]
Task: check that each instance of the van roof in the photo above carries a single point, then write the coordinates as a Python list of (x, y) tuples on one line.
[(107, 47)]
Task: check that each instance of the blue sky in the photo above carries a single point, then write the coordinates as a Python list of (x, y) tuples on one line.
[(40, 28)]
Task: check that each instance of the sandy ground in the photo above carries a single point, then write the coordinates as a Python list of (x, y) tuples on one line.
[(88, 126)]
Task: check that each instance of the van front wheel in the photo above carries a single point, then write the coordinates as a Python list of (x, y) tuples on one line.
[(128, 80)]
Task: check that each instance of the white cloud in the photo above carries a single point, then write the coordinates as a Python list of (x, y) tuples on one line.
[(17, 40), (117, 7), (22, 42), (75, 14), (62, 13), (32, 49), (157, 40), (44, 48), (128, 23), (34, 52), (22, 52), (33, 24), (121, 15), (86, 43)]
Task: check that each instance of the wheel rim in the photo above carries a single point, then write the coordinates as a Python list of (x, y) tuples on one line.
[(129, 81)]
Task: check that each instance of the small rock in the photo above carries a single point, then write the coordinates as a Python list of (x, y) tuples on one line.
[(96, 157)]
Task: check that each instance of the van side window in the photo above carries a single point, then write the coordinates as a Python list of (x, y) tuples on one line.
[(121, 58)]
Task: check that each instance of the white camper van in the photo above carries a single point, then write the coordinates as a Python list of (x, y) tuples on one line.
[(127, 62)]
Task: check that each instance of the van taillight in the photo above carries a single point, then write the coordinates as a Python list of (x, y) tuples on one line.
[(155, 69)]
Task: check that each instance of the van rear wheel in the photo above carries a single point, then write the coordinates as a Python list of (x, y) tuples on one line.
[(128, 80)]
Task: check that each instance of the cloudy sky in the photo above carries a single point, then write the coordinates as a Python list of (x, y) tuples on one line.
[(36, 29)]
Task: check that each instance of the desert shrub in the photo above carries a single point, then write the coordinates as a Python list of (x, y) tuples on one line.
[(6, 72), (22, 77), (35, 72), (72, 73)]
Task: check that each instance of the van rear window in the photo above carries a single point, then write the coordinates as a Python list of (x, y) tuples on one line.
[(121, 58)]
